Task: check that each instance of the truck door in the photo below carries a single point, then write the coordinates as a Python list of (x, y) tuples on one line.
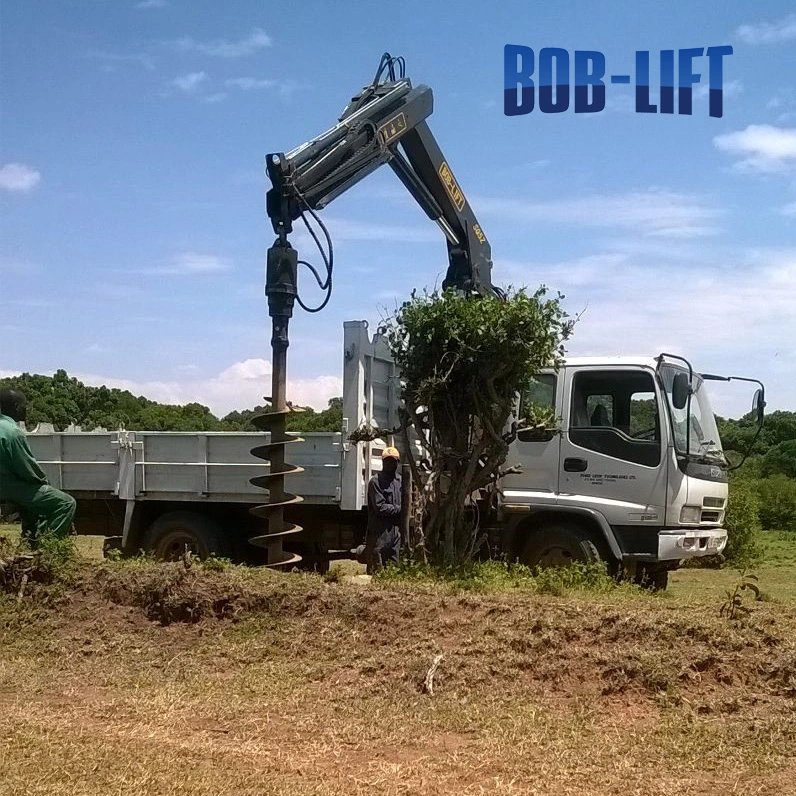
[(536, 450), (612, 453)]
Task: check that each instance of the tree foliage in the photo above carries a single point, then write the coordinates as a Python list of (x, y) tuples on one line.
[(462, 364), (780, 460), (62, 400), (778, 503)]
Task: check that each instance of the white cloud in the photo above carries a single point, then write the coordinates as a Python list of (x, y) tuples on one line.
[(213, 98), (97, 348), (654, 212), (18, 178), (761, 147), (28, 303), (249, 83), (18, 267), (286, 88), (112, 60), (726, 315), (222, 48), (731, 89), (768, 32), (151, 4), (789, 209), (190, 264), (346, 230), (190, 82)]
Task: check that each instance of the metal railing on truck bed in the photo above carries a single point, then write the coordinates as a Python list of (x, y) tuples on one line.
[(182, 466)]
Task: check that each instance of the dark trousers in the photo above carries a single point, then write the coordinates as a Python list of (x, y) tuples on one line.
[(382, 550), (48, 509)]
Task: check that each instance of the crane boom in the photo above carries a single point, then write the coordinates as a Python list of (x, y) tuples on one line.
[(384, 124)]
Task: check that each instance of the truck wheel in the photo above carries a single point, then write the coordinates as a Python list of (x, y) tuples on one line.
[(560, 545), (654, 578), (171, 533), (314, 557)]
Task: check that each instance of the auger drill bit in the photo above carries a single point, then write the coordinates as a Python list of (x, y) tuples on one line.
[(280, 288)]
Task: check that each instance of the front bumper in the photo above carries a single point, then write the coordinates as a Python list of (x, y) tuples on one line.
[(679, 543)]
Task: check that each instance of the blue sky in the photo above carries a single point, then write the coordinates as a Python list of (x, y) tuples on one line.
[(132, 186)]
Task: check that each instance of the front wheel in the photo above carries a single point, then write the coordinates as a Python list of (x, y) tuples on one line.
[(653, 577), (560, 545)]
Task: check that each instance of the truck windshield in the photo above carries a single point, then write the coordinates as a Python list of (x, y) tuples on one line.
[(704, 442)]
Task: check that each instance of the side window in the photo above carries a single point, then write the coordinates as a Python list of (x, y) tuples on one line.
[(538, 408), (643, 416), (615, 413)]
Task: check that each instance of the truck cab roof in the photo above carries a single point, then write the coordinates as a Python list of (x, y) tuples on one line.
[(624, 361)]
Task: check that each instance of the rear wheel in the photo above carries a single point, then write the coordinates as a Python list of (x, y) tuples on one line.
[(314, 556), (560, 545), (171, 534)]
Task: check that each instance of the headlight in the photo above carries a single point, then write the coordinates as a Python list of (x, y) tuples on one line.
[(690, 515)]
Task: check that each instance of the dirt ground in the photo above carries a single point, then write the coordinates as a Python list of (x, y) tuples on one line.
[(143, 679)]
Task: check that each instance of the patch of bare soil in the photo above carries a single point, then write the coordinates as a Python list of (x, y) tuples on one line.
[(164, 680)]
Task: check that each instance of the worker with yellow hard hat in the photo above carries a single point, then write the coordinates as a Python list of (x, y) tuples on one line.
[(383, 536)]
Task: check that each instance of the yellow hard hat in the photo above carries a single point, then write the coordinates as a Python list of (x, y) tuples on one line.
[(391, 453)]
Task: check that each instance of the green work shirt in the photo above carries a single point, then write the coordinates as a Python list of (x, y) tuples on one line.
[(20, 474)]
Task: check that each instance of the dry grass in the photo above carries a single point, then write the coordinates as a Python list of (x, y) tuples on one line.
[(275, 684)]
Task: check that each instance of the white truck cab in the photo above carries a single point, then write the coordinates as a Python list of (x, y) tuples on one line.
[(625, 471)]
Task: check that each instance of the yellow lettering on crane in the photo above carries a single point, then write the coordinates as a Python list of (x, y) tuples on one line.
[(452, 187), (479, 234)]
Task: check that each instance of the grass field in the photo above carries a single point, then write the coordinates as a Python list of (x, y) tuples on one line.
[(141, 678)]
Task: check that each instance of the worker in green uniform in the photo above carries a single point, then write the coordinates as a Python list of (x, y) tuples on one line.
[(22, 481)]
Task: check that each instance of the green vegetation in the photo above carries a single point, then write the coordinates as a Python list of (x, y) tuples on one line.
[(763, 490), (497, 576), (743, 524), (63, 400), (462, 363)]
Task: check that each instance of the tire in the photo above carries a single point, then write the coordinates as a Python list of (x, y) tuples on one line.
[(314, 557), (169, 534), (653, 577), (558, 545)]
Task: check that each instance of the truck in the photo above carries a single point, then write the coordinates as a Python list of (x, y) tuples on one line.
[(631, 473)]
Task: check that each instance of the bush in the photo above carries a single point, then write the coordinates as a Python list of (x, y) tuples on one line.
[(743, 524), (777, 497)]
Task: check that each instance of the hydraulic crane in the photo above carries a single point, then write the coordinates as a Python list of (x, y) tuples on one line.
[(385, 123)]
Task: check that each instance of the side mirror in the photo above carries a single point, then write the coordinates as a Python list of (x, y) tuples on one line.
[(759, 405), (535, 434), (680, 391)]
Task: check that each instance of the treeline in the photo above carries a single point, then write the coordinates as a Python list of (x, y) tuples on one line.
[(62, 400), (763, 490)]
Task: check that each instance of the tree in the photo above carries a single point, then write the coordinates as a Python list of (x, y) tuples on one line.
[(462, 363), (781, 459)]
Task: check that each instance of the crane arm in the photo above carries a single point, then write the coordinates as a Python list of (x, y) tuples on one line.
[(384, 124)]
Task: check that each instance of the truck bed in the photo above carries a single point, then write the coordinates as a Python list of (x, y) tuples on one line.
[(183, 466)]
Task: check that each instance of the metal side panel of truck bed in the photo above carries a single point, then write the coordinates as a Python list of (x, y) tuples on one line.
[(217, 466), (181, 466)]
